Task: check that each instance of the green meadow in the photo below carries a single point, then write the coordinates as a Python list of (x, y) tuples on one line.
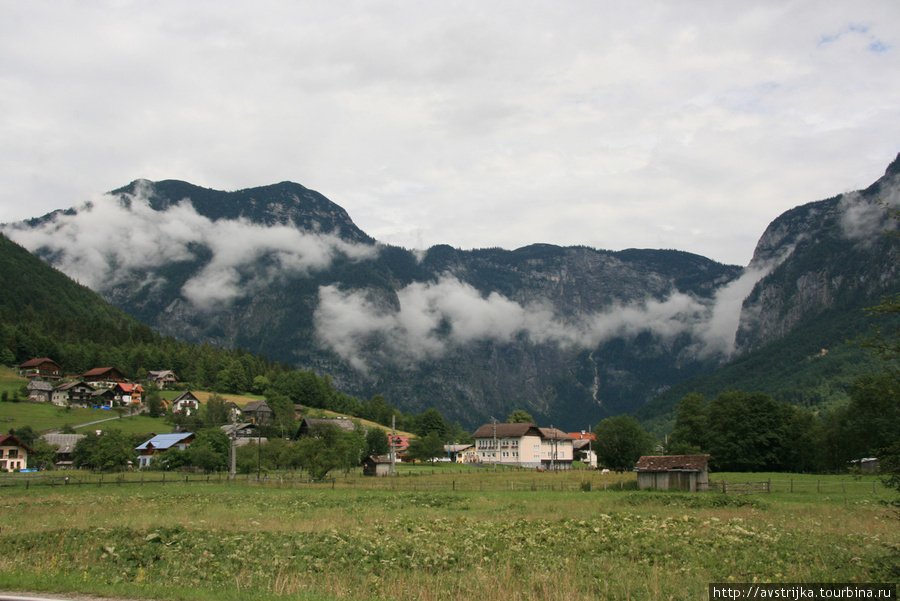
[(439, 534)]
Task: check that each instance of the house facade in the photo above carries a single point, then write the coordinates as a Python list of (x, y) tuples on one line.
[(104, 377), (162, 378), (673, 472), (65, 444), (40, 391), (377, 465), (161, 443), (13, 454), (186, 403), (72, 394), (127, 393), (41, 369), (523, 445), (259, 412)]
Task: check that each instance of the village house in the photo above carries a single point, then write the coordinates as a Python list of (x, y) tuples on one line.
[(259, 412), (127, 393), (460, 453), (41, 369), (583, 447), (162, 378), (40, 391), (377, 465), (13, 453), (185, 403), (688, 473), (104, 377), (241, 430), (65, 444), (398, 444), (72, 394), (161, 443), (234, 411), (103, 398), (524, 445)]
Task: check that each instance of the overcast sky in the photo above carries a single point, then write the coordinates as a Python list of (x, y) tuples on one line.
[(687, 125)]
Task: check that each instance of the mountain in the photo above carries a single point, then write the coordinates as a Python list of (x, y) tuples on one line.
[(571, 335), (825, 262)]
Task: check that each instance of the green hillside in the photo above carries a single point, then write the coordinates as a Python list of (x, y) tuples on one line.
[(812, 367)]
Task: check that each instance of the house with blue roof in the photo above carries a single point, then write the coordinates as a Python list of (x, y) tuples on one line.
[(161, 443)]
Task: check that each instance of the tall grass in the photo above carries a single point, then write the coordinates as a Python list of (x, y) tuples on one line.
[(246, 541)]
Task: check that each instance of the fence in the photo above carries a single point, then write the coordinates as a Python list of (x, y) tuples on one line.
[(483, 481)]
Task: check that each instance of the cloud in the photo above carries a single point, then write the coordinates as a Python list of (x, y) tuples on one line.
[(863, 219), (111, 241), (431, 319), (469, 123)]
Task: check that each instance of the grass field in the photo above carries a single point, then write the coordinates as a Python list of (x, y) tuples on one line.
[(414, 537)]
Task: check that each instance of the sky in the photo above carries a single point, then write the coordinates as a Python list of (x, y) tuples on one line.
[(654, 124)]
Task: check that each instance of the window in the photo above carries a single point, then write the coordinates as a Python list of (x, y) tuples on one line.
[(13, 453)]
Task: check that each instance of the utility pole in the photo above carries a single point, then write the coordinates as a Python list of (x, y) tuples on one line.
[(393, 445), (494, 421), (233, 445)]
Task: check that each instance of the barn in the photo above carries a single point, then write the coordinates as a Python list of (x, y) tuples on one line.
[(673, 472)]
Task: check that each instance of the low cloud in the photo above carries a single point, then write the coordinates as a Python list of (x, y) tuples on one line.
[(110, 241), (434, 318), (863, 219)]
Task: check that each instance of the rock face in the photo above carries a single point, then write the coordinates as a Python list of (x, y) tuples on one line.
[(827, 255), (570, 335)]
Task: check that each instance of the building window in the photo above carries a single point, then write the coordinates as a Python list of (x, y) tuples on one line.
[(13, 453)]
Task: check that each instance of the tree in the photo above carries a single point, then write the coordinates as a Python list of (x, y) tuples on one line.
[(377, 442), (431, 421), (43, 453), (691, 426), (154, 401), (328, 447), (748, 432), (217, 414), (110, 450), (426, 448), (519, 416), (210, 450), (621, 441)]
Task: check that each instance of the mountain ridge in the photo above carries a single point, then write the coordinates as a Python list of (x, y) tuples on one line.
[(572, 334)]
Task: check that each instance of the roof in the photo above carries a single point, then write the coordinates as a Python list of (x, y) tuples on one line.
[(504, 430), (36, 362), (187, 395), (66, 442), (378, 459), (163, 373), (583, 435), (164, 441), (102, 371), (40, 385), (672, 463), (129, 387), (457, 448), (256, 406), (69, 385), (554, 434), (235, 428), (8, 440)]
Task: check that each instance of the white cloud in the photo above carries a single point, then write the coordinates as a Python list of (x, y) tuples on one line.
[(107, 241), (476, 124), (433, 318)]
